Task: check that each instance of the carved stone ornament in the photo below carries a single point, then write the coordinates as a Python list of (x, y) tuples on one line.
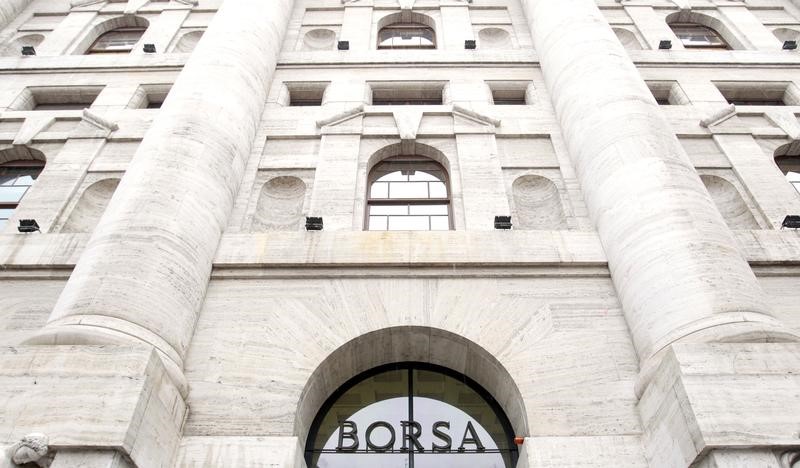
[(33, 448)]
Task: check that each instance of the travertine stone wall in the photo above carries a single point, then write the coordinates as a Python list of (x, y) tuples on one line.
[(173, 202), (673, 261)]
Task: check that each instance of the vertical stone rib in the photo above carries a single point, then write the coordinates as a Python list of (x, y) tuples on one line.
[(145, 270), (9, 9), (675, 264)]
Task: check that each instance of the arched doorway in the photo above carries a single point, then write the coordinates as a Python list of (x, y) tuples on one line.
[(414, 415)]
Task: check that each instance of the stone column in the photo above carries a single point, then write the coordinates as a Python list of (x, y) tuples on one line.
[(9, 9), (673, 261), (145, 270)]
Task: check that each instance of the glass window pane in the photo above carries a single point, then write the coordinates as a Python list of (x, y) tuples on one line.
[(420, 176), (379, 190), (26, 180), (428, 209), (388, 210), (439, 397), (121, 40), (408, 190), (11, 194), (8, 178), (5, 213), (406, 35), (3, 223), (408, 223), (377, 223), (438, 190), (392, 176), (793, 176), (440, 223), (383, 397)]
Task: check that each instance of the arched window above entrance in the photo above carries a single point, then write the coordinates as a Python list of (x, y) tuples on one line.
[(411, 415), (408, 193)]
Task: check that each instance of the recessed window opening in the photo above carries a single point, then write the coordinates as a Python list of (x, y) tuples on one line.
[(407, 36), (407, 93), (408, 193), (697, 36), (117, 41), (56, 98), (789, 164), (306, 94), (759, 93), (16, 178), (411, 415), (509, 93), (667, 93)]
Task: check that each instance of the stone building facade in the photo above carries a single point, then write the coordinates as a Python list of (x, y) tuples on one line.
[(173, 310)]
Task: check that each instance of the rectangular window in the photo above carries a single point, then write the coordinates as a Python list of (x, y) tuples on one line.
[(667, 93), (304, 94), (759, 93), (401, 93), (42, 98), (509, 93), (150, 96)]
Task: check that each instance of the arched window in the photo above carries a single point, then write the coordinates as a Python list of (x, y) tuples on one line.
[(411, 414), (16, 177), (790, 166), (697, 36), (408, 193), (406, 36), (117, 41)]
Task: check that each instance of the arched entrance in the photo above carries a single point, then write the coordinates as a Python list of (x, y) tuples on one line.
[(411, 414)]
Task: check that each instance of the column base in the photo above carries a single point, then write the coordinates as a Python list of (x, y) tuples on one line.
[(101, 330), (721, 328), (721, 400), (107, 405)]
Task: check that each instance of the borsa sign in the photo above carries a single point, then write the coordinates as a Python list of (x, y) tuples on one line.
[(410, 431)]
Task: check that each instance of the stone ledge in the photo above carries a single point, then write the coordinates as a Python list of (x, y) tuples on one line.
[(360, 248)]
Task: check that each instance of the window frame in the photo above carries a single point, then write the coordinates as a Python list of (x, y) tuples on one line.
[(370, 201), (407, 25), (488, 398), (19, 163), (723, 44), (92, 50), (795, 184)]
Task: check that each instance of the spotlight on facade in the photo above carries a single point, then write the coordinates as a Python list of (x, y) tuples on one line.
[(470, 44), (313, 223), (502, 222), (791, 222), (29, 50), (343, 45), (150, 48), (28, 225), (665, 45), (789, 45)]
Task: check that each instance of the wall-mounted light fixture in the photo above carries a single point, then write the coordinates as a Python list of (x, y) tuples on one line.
[(28, 225), (502, 222), (314, 223)]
